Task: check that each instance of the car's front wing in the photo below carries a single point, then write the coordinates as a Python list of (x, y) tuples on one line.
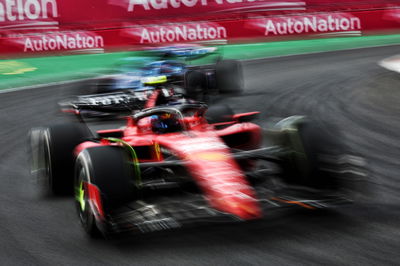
[(164, 213)]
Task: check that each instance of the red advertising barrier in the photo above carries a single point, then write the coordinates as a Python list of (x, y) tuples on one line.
[(28, 27)]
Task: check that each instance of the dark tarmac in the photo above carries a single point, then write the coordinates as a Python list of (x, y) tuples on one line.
[(347, 88)]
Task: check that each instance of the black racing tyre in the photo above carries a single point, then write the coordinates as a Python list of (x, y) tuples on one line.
[(104, 85), (315, 159), (229, 76), (110, 170), (35, 151), (58, 143), (219, 114), (196, 85)]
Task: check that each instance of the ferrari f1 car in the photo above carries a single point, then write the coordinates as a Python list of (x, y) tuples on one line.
[(172, 166)]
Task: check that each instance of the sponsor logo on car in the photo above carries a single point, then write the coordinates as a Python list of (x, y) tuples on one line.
[(200, 145), (210, 156)]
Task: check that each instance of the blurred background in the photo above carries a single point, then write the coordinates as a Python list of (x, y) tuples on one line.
[(331, 60), (36, 32)]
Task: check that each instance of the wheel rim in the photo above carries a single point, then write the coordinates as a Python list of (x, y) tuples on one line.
[(82, 196), (47, 164)]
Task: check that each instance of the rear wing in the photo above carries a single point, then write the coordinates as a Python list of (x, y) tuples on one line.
[(188, 52)]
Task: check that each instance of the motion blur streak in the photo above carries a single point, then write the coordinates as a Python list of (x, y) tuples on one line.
[(348, 88), (34, 27)]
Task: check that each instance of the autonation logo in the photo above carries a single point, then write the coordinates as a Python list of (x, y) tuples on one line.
[(311, 24), (196, 32), (60, 42), (17, 10), (259, 4)]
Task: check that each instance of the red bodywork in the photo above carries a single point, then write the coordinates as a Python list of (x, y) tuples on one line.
[(208, 158)]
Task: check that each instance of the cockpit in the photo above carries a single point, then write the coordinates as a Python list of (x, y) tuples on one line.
[(162, 120)]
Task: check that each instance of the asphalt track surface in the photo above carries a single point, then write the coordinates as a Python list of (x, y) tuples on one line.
[(348, 88)]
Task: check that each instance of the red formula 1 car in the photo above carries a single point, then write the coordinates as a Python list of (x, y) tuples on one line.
[(172, 166)]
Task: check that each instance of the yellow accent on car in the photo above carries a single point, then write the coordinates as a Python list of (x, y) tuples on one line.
[(154, 80), (210, 156), (80, 197), (157, 150)]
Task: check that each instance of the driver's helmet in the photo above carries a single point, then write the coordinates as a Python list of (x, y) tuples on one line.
[(165, 123)]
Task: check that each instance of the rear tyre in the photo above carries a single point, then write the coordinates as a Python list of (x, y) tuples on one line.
[(57, 146), (196, 85), (229, 76), (109, 172)]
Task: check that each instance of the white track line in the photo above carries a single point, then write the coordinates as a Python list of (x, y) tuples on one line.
[(392, 63)]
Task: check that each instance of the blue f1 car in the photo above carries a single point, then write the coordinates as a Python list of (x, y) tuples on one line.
[(170, 65), (163, 74)]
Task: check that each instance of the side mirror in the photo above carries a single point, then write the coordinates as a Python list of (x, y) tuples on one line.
[(113, 133), (246, 117)]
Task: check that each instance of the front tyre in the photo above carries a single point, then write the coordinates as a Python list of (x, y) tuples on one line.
[(105, 179), (316, 154), (82, 190), (229, 76), (196, 85)]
